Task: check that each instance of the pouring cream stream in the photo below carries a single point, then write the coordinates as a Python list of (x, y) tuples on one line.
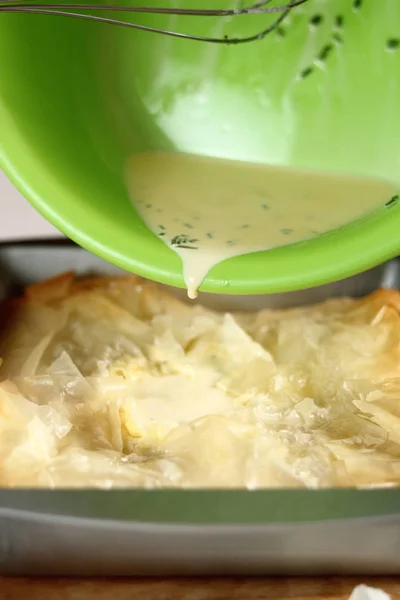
[(209, 209)]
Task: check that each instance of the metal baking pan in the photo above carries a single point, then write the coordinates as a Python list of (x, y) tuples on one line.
[(179, 532)]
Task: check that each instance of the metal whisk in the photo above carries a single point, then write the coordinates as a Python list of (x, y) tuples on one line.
[(73, 10)]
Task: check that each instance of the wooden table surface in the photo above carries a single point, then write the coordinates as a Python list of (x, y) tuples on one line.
[(188, 589)]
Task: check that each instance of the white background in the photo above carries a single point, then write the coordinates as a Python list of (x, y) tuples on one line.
[(18, 219)]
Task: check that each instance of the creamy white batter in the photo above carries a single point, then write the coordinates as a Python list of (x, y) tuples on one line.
[(208, 210)]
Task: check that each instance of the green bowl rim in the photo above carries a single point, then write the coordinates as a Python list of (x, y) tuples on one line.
[(333, 256)]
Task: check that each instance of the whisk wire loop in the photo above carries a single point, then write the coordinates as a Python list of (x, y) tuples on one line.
[(70, 10)]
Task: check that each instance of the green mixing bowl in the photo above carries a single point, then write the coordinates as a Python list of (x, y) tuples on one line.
[(322, 92)]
